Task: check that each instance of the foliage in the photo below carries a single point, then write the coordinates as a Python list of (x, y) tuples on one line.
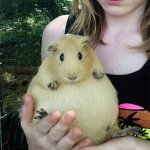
[(53, 8), (11, 9), (21, 40), (22, 23)]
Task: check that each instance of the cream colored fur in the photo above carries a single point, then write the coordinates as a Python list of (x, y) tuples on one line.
[(94, 100)]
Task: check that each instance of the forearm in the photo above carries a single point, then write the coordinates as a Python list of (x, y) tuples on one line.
[(143, 144), (136, 143), (123, 143)]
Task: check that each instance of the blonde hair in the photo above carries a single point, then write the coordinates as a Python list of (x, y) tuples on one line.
[(90, 20)]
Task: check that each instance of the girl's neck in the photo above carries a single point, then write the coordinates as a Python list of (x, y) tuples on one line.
[(127, 22)]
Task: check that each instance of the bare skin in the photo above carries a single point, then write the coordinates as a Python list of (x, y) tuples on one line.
[(123, 143)]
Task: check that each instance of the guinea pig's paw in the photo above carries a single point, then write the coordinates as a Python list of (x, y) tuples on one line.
[(98, 75), (42, 113), (128, 131), (53, 85)]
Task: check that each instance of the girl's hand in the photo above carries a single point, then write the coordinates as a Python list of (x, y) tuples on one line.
[(123, 143), (51, 132)]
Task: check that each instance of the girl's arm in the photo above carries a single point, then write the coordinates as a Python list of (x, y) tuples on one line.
[(123, 143)]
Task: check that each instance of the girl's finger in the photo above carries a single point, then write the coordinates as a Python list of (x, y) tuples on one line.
[(84, 143), (27, 111), (61, 128), (44, 126), (70, 139)]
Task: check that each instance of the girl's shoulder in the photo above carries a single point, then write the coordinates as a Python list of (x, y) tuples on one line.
[(52, 32), (57, 26)]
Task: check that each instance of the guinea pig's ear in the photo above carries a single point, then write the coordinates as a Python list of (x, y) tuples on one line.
[(52, 48), (87, 42)]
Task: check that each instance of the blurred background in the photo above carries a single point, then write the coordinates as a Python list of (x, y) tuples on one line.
[(21, 26)]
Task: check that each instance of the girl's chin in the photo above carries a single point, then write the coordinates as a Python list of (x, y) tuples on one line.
[(116, 12)]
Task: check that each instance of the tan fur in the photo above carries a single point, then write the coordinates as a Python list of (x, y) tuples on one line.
[(94, 100)]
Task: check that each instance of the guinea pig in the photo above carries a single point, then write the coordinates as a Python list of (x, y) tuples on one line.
[(72, 78)]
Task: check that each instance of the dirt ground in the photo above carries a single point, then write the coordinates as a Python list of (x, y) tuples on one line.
[(13, 86)]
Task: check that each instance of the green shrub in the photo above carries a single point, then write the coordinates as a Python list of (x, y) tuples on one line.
[(21, 28)]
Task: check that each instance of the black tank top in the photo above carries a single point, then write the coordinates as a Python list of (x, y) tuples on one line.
[(133, 94)]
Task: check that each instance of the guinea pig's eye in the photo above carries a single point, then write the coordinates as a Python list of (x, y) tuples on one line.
[(79, 56), (62, 57)]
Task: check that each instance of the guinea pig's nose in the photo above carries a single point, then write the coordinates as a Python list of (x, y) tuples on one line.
[(72, 77)]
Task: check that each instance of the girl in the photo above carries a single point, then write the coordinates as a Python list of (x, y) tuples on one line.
[(120, 32)]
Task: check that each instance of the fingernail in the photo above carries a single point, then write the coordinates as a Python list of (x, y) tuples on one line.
[(70, 116), (55, 114)]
